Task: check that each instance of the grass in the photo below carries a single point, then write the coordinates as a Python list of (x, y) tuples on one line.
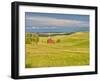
[(72, 50)]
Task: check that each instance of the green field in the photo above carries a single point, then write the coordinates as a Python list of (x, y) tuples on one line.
[(71, 50)]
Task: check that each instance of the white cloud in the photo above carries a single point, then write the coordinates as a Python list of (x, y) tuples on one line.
[(38, 20)]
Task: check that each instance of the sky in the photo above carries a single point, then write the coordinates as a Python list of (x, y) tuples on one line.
[(52, 22)]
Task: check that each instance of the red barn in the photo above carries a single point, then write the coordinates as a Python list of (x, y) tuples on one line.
[(50, 41)]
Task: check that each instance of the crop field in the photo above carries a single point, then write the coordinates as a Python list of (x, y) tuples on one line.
[(66, 50)]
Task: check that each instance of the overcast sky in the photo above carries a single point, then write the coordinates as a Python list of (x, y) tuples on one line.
[(50, 22)]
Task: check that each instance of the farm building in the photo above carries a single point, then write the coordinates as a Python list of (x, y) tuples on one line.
[(50, 41)]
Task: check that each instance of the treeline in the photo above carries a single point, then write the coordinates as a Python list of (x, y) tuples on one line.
[(54, 34)]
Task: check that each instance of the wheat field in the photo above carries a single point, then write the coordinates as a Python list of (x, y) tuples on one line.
[(71, 50)]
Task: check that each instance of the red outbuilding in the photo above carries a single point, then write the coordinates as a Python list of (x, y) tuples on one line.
[(50, 41)]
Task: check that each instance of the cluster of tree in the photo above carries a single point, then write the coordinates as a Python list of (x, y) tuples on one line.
[(58, 41), (32, 38)]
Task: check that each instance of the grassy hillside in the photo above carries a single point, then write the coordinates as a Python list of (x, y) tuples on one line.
[(71, 50)]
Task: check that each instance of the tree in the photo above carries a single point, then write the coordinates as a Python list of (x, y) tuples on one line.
[(58, 41), (35, 38)]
